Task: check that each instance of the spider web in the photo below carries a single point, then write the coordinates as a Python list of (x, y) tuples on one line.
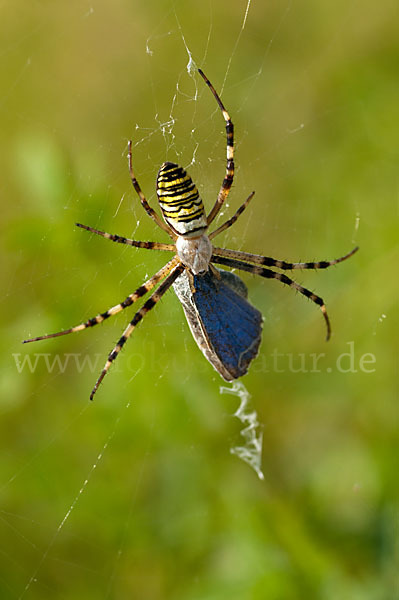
[(178, 131)]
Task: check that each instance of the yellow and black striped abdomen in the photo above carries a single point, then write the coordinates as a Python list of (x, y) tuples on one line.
[(179, 200)]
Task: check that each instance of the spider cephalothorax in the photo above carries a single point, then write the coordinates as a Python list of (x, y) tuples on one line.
[(226, 327)]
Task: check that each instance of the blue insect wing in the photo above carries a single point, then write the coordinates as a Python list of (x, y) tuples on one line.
[(231, 325)]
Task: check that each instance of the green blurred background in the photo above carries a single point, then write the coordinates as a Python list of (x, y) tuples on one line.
[(137, 494)]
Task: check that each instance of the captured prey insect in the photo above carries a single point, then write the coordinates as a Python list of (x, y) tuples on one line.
[(226, 327)]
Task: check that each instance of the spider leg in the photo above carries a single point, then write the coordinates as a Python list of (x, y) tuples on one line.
[(233, 219), (268, 274), (122, 240), (143, 200), (229, 176), (279, 264), (148, 305), (141, 291)]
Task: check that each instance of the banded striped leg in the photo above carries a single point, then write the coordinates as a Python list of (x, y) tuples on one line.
[(122, 240), (268, 274), (143, 200), (141, 291), (279, 264), (228, 178), (233, 219), (151, 302)]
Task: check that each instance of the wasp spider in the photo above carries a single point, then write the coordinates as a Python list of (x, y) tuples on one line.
[(226, 327)]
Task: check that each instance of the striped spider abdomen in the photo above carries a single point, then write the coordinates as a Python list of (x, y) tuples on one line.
[(180, 202)]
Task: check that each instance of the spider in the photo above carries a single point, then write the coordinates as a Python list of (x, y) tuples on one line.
[(226, 327)]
